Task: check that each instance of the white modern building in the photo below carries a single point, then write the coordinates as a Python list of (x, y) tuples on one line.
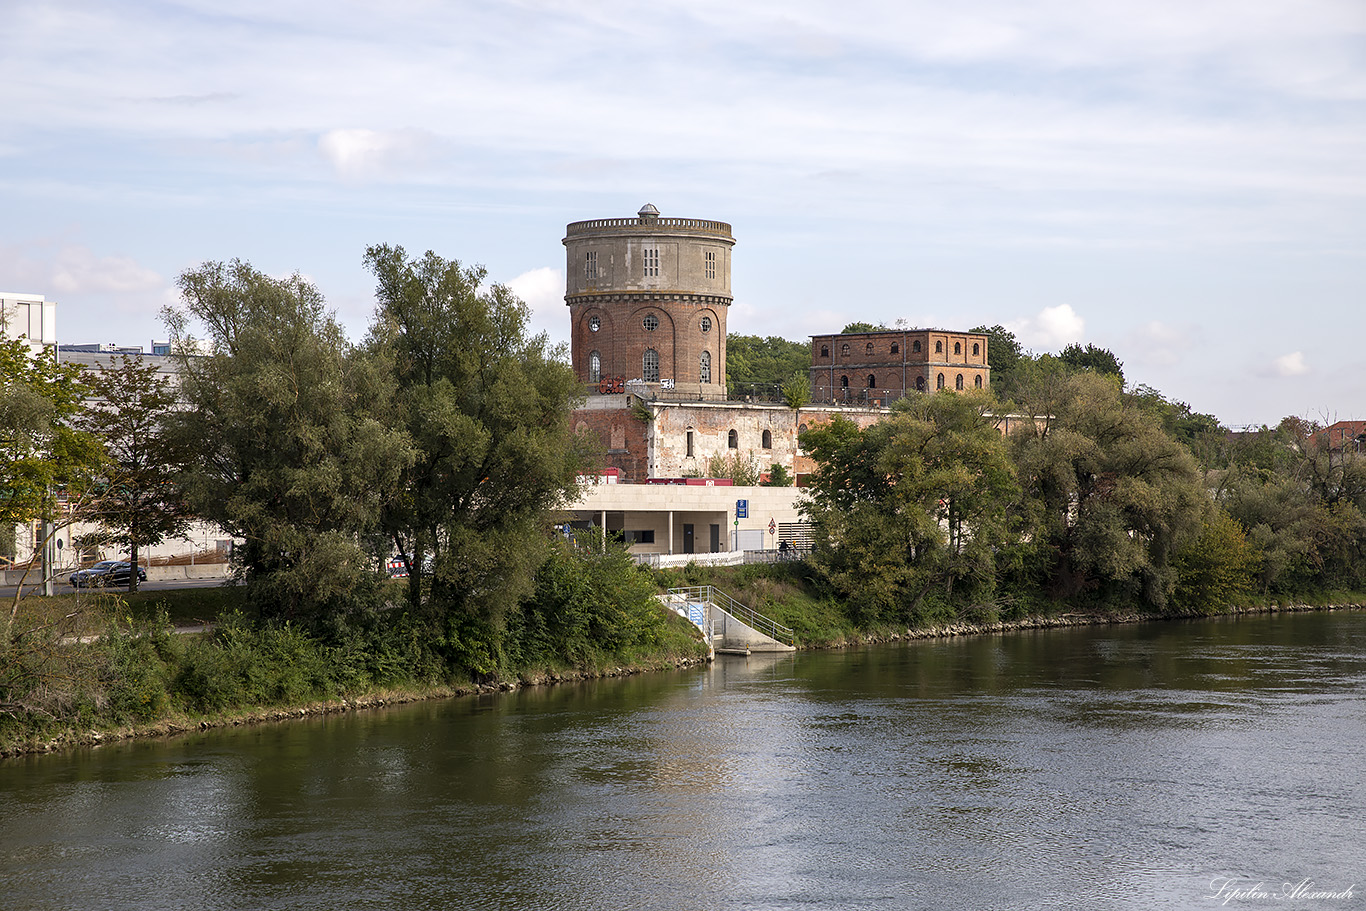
[(29, 316)]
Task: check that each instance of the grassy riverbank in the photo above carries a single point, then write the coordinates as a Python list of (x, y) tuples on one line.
[(145, 666)]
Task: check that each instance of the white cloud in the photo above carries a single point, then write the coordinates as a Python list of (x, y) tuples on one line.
[(357, 153), (1159, 343), (543, 291), (1052, 327), (77, 270), (1291, 364)]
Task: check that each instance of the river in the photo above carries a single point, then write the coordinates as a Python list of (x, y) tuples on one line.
[(1159, 765)]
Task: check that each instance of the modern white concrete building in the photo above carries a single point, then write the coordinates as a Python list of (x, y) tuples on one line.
[(29, 316), (697, 517)]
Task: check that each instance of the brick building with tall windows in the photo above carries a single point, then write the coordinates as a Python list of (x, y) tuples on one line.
[(875, 368)]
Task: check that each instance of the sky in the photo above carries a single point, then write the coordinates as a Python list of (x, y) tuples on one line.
[(1183, 183)]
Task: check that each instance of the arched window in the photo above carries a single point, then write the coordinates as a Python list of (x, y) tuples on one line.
[(594, 367), (896, 349), (915, 346), (844, 382), (920, 384), (844, 350), (801, 429), (976, 349), (704, 368), (958, 383), (957, 348), (649, 366), (733, 440), (872, 381), (977, 381), (825, 350), (939, 384), (868, 349), (938, 347), (768, 439)]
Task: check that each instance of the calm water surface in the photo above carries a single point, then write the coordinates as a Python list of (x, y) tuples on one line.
[(1119, 767)]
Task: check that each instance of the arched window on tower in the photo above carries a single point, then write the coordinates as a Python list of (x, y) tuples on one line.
[(938, 347), (868, 349), (733, 440), (896, 349), (939, 384), (957, 348), (844, 350), (844, 382), (976, 349), (768, 439), (649, 366), (704, 368), (977, 381), (594, 367), (915, 346), (958, 383), (872, 381)]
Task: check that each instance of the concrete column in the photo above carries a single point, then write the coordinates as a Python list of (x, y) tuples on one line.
[(671, 532), (604, 532)]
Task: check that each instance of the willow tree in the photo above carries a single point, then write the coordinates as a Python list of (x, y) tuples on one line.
[(911, 505), (1108, 494), (486, 406), (290, 456)]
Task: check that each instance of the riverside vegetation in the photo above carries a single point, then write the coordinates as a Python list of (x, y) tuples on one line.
[(443, 438)]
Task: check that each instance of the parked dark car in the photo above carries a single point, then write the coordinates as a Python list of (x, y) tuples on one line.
[(105, 572)]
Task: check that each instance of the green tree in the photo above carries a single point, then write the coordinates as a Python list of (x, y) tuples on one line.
[(916, 502), (860, 327), (44, 453), (1215, 567), (486, 406), (1006, 356), (1093, 358), (1107, 493), (141, 504), (289, 453), (757, 365)]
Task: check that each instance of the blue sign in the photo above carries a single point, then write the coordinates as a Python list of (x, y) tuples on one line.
[(742, 509)]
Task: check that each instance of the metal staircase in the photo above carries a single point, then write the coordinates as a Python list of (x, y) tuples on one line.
[(725, 624)]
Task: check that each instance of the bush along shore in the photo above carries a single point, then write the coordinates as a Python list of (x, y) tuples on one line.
[(127, 672)]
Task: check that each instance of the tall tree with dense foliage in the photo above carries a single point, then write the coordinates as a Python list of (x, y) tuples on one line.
[(910, 505), (763, 364), (1107, 493), (486, 405), (141, 504), (290, 455)]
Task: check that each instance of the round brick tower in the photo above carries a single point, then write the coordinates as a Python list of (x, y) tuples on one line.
[(647, 300)]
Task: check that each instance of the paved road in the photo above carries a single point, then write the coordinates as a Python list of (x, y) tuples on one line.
[(59, 588)]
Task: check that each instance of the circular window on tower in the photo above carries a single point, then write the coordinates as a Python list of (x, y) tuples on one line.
[(706, 324), (651, 322), (594, 324)]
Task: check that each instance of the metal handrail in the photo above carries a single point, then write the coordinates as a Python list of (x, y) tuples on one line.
[(753, 618)]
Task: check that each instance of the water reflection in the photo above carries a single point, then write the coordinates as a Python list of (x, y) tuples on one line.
[(1122, 766)]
